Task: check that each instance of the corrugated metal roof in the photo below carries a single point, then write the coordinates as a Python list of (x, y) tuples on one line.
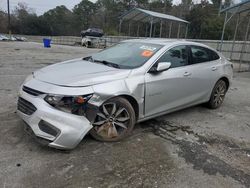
[(243, 6), (138, 14)]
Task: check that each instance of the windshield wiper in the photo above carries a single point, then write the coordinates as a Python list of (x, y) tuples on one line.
[(88, 58), (107, 63)]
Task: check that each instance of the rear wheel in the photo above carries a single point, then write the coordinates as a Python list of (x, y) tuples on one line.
[(218, 95), (114, 121)]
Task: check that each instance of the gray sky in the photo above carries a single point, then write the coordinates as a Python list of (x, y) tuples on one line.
[(41, 6)]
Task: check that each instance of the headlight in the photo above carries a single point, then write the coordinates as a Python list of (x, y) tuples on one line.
[(71, 104)]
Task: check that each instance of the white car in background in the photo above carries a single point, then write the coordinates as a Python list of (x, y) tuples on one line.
[(3, 38)]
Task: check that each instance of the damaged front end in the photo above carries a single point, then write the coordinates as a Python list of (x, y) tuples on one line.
[(78, 105), (60, 120)]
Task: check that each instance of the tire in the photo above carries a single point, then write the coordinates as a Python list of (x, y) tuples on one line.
[(88, 44), (114, 121), (217, 95)]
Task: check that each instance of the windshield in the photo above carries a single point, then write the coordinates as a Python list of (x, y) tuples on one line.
[(127, 55)]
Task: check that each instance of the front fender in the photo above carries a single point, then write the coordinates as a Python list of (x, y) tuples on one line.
[(133, 87)]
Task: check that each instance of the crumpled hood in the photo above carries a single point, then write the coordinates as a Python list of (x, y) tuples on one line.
[(78, 72)]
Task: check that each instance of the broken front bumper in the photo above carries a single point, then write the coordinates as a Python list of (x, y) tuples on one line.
[(62, 130)]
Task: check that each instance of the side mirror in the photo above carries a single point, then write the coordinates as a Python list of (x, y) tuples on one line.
[(162, 66)]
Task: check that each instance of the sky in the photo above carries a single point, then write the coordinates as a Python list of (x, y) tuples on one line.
[(41, 6)]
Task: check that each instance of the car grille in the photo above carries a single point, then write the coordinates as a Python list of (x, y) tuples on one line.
[(32, 91), (25, 106)]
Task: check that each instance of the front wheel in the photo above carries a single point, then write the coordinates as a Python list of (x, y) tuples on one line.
[(218, 95), (114, 121)]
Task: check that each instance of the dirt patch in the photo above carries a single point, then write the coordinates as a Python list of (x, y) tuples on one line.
[(198, 155), (212, 154)]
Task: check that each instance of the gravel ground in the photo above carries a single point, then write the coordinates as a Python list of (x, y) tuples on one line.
[(202, 147)]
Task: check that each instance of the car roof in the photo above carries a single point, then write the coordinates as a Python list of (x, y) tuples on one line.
[(165, 42), (169, 42)]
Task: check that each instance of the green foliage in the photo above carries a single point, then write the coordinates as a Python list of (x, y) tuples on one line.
[(205, 23), (82, 14), (58, 21), (3, 22)]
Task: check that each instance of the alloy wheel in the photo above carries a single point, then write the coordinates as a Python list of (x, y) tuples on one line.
[(219, 94), (112, 121)]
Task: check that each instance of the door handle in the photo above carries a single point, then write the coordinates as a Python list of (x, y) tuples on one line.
[(187, 74), (214, 68)]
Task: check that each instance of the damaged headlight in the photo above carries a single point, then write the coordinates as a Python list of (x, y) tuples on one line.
[(70, 104)]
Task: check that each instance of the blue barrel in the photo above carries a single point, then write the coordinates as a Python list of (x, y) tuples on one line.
[(46, 43)]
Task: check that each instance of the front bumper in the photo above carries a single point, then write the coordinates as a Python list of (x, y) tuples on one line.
[(69, 128)]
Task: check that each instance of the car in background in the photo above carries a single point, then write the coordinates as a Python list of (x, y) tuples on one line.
[(21, 38), (107, 93), (12, 38), (92, 32), (92, 37), (3, 38)]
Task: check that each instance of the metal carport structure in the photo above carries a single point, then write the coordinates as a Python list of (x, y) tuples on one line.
[(240, 10), (145, 16)]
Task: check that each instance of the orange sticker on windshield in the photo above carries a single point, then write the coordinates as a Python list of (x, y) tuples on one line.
[(147, 53)]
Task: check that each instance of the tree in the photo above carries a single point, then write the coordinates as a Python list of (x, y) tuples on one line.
[(160, 5), (3, 22), (24, 20), (59, 20), (83, 14)]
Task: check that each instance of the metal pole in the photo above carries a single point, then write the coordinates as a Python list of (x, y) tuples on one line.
[(151, 25), (146, 31), (178, 33), (244, 44), (220, 7), (235, 32), (129, 29), (154, 30), (138, 29), (186, 33), (161, 29), (170, 29), (120, 26), (223, 31), (8, 5), (166, 29)]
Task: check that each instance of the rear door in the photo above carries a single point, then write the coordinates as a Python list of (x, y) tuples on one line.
[(204, 67)]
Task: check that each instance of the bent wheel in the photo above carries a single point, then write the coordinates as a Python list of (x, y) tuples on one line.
[(114, 121), (218, 95)]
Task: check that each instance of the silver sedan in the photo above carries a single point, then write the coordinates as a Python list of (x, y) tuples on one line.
[(107, 93)]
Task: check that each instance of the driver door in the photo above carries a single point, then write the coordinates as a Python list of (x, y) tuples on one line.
[(172, 88)]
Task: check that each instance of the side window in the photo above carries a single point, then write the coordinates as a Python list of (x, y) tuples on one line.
[(177, 56), (201, 54), (213, 55)]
